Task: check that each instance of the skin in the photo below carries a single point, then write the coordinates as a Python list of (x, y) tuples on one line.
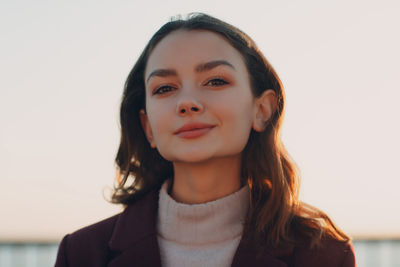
[(206, 167)]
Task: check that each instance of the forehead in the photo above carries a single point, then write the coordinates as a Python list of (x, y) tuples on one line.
[(185, 49)]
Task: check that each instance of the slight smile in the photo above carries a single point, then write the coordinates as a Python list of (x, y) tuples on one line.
[(193, 130)]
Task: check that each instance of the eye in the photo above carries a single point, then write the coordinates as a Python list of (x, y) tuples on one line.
[(216, 82), (163, 89)]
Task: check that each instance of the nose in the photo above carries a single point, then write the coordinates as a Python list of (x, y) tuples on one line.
[(189, 106)]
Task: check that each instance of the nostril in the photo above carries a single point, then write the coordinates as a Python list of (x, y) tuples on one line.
[(183, 109)]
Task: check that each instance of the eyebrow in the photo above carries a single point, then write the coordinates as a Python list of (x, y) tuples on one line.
[(199, 68)]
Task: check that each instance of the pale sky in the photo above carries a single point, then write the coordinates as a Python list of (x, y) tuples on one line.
[(63, 66)]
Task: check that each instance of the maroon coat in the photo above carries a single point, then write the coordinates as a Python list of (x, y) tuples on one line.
[(130, 239)]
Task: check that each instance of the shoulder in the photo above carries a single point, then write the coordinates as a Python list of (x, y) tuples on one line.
[(97, 231), (90, 242), (96, 244), (330, 253)]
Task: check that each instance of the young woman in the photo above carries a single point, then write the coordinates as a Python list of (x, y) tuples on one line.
[(204, 176)]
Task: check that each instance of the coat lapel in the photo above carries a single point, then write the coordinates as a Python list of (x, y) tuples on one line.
[(134, 240), (247, 255), (143, 253)]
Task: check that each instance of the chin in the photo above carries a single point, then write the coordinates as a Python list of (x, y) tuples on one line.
[(189, 157)]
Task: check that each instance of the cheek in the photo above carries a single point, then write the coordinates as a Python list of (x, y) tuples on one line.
[(159, 120), (236, 117)]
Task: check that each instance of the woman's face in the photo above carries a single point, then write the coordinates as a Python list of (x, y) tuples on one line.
[(198, 81)]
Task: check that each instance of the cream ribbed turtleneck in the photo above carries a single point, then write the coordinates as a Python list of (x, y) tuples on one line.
[(206, 234)]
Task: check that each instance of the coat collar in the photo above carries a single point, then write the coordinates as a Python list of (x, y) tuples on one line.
[(136, 222), (134, 240)]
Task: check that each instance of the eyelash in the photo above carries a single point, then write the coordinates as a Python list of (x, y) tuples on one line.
[(157, 91), (218, 80)]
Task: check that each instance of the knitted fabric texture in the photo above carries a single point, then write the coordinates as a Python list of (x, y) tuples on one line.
[(205, 234)]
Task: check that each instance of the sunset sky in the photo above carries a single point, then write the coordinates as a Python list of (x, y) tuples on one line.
[(63, 66)]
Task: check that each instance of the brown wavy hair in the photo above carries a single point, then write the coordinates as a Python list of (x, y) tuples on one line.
[(276, 217)]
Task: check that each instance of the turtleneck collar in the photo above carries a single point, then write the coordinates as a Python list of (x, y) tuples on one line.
[(200, 224)]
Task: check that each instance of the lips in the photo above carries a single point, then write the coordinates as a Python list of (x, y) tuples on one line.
[(192, 130)]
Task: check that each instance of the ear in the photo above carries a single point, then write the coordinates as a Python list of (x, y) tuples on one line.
[(146, 127), (265, 106)]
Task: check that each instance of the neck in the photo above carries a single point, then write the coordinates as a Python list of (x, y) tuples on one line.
[(206, 181)]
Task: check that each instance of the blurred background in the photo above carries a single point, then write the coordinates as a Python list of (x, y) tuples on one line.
[(63, 66)]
